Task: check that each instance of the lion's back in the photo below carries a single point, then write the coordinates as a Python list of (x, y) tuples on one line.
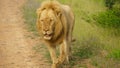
[(70, 18)]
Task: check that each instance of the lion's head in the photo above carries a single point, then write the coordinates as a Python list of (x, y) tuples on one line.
[(49, 21)]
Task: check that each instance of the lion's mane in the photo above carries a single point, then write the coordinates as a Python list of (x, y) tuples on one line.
[(60, 26)]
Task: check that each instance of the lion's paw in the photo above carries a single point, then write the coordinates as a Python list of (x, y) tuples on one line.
[(57, 65)]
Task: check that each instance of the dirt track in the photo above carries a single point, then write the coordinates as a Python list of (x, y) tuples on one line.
[(15, 47)]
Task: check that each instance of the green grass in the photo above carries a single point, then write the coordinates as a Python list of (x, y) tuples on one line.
[(29, 11), (99, 46), (115, 54)]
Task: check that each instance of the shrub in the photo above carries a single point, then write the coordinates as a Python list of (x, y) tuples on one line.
[(109, 19), (109, 3)]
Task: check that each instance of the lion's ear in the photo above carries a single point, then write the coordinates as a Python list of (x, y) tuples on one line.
[(57, 11), (39, 10), (59, 14)]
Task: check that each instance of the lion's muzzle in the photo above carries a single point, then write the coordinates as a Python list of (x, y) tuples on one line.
[(47, 35)]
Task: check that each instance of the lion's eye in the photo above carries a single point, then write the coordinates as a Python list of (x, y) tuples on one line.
[(41, 21), (51, 20)]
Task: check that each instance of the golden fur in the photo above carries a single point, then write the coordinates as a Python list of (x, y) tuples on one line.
[(55, 24)]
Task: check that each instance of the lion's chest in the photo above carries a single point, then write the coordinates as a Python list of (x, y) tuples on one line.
[(56, 42)]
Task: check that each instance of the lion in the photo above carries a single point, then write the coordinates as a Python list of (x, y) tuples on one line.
[(55, 24)]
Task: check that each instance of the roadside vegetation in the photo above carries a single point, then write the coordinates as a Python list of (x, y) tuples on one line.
[(97, 31)]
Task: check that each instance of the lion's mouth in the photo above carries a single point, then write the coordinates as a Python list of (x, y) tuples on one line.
[(47, 36)]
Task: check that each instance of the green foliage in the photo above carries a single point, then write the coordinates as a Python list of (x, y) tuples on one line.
[(109, 3), (108, 19), (115, 54)]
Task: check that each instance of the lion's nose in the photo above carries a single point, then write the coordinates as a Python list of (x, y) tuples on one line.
[(46, 30)]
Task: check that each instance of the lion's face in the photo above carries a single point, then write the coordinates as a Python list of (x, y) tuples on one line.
[(47, 23)]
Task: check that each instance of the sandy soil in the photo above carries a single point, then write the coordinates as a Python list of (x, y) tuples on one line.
[(16, 48)]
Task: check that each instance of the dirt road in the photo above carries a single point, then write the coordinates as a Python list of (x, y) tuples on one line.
[(15, 47)]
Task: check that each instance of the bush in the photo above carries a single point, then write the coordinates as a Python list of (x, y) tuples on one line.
[(109, 19), (109, 3)]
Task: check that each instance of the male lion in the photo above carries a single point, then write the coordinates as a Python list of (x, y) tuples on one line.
[(55, 24)]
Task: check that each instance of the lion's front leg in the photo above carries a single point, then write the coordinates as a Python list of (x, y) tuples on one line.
[(64, 52), (61, 58), (52, 51)]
